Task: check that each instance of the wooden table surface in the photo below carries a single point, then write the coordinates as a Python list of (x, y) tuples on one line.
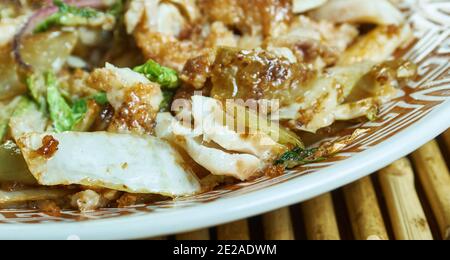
[(407, 200)]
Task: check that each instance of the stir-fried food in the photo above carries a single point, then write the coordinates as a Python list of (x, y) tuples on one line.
[(110, 103)]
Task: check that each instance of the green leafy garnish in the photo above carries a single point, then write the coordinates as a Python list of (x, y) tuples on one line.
[(166, 77), (69, 9), (64, 116), (100, 98), (298, 156), (37, 89), (80, 107), (67, 15), (81, 104)]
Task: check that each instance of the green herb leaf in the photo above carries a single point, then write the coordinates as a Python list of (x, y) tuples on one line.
[(166, 77), (69, 9), (298, 156), (67, 15), (79, 109), (100, 98), (49, 22), (63, 116)]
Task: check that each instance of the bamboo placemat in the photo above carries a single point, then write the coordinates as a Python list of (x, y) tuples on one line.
[(407, 200)]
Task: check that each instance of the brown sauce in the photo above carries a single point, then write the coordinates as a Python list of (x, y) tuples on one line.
[(49, 147)]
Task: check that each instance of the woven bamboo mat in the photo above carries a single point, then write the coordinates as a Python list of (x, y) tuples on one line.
[(408, 200)]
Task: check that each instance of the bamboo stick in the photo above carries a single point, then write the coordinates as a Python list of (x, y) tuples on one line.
[(320, 219), (406, 212), (278, 225), (202, 234), (364, 211), (435, 178), (238, 230)]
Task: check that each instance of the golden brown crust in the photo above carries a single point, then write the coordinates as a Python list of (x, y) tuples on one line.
[(274, 171), (135, 114), (256, 75), (135, 103), (250, 16), (197, 70), (164, 49)]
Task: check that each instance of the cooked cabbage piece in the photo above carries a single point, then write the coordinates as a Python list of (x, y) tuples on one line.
[(27, 118), (6, 111), (32, 195), (9, 27), (240, 166), (35, 52), (12, 165), (105, 160), (215, 138), (333, 96), (135, 98), (324, 99), (301, 6), (378, 45), (378, 12)]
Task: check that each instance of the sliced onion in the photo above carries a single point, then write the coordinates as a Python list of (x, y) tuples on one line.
[(40, 15), (31, 23)]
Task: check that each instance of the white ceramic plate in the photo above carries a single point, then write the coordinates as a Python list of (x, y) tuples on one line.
[(422, 113)]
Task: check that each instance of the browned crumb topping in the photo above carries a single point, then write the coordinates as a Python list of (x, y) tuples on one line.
[(274, 171)]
